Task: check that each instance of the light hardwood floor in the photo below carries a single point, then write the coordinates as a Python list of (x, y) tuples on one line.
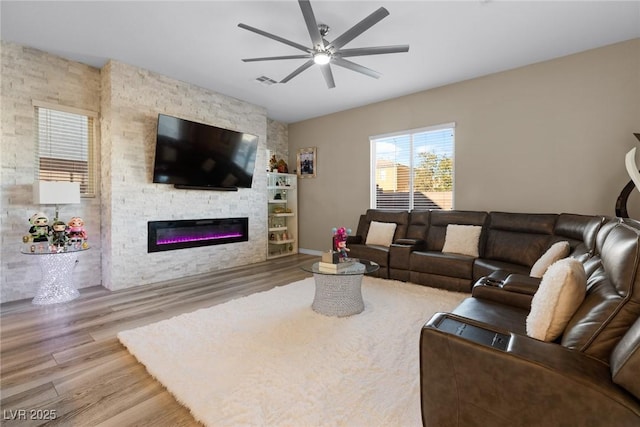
[(64, 362)]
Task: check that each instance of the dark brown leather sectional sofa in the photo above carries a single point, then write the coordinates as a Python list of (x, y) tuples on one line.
[(478, 367)]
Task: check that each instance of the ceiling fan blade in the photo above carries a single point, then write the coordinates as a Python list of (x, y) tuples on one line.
[(355, 67), (378, 50), (274, 37), (273, 58), (328, 75), (298, 70), (312, 25), (360, 28)]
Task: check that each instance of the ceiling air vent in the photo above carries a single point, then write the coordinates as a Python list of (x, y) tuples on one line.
[(264, 80)]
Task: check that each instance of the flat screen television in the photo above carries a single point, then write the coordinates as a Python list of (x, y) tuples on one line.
[(196, 155)]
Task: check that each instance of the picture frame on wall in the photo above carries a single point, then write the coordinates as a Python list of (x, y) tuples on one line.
[(307, 162)]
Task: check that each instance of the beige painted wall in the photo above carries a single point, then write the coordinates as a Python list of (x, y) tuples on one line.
[(549, 137)]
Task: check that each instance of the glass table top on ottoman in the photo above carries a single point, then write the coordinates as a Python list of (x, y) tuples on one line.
[(339, 289)]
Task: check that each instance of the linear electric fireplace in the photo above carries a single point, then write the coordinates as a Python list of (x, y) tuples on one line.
[(191, 233)]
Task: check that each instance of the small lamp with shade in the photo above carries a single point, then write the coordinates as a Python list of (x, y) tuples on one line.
[(56, 193)]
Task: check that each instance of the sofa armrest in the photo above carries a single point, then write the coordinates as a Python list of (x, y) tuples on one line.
[(497, 277), (400, 252), (530, 383), (513, 289), (521, 284), (416, 244)]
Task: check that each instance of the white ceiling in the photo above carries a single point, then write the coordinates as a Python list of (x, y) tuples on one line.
[(199, 42)]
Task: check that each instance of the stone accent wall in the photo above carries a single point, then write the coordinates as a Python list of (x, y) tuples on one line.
[(28, 75), (131, 101), (278, 141)]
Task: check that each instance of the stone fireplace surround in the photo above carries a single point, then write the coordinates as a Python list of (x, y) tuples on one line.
[(131, 101)]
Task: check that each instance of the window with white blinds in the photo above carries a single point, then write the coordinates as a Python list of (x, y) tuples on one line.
[(65, 147), (413, 169)]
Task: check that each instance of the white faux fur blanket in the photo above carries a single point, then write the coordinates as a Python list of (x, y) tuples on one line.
[(269, 360)]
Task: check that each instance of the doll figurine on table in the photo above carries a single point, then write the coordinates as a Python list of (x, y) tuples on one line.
[(340, 242), (39, 229), (59, 236), (76, 232)]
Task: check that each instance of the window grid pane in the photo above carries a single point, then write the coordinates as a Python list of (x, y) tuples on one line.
[(65, 146), (392, 172), (414, 170)]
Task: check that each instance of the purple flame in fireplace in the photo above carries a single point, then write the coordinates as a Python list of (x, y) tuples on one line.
[(196, 238)]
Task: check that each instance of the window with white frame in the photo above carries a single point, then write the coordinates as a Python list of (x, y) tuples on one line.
[(65, 140), (413, 169)]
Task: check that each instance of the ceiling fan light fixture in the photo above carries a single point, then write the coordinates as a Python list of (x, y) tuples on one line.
[(321, 58)]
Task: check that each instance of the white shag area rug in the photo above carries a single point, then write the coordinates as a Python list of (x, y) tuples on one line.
[(269, 360)]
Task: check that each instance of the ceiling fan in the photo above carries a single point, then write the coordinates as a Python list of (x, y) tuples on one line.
[(325, 53)]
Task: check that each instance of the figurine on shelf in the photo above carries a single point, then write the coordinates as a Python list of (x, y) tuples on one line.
[(39, 229), (59, 236), (76, 232), (273, 163), (340, 242)]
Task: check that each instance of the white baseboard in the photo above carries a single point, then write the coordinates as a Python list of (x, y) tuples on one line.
[(310, 252)]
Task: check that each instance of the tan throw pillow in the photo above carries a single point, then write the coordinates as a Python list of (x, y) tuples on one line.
[(381, 233), (462, 239), (562, 290), (556, 252)]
